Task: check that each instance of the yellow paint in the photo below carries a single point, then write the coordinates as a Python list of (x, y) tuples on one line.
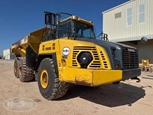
[(46, 44), (71, 43), (33, 40), (101, 49), (106, 76), (78, 19), (20, 70), (76, 75), (90, 77), (21, 51), (44, 79)]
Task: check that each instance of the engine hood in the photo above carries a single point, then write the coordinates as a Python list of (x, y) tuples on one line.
[(104, 43), (110, 47)]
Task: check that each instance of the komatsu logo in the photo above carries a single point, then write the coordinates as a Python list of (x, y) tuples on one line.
[(66, 51)]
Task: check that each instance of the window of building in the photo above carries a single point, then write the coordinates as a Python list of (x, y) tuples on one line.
[(118, 15), (129, 17), (141, 13)]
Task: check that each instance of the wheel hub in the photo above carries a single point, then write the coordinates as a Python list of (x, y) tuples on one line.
[(44, 79), (15, 66), (20, 70)]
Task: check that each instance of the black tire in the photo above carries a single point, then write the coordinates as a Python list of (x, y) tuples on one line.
[(16, 70), (25, 74), (54, 89)]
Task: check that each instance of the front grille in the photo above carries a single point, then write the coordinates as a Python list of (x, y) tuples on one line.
[(77, 49), (130, 58), (105, 65)]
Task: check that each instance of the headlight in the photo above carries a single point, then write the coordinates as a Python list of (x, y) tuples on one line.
[(84, 59), (116, 60), (113, 51)]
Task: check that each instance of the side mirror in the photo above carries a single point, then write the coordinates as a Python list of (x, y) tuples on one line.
[(144, 39), (50, 18)]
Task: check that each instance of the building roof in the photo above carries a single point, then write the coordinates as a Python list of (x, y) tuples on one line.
[(117, 6), (7, 49), (137, 38)]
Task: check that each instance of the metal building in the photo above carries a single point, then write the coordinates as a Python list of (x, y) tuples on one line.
[(128, 22), (7, 54)]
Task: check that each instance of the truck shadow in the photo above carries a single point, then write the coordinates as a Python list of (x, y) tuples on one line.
[(107, 95), (147, 78), (150, 77)]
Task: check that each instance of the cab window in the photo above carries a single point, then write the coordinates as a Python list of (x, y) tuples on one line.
[(65, 30)]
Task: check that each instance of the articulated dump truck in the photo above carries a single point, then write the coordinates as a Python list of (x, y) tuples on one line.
[(66, 51)]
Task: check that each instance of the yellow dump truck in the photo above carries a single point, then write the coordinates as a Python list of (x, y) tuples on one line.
[(67, 51)]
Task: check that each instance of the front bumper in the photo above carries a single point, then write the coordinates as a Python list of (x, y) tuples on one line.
[(127, 74), (92, 77)]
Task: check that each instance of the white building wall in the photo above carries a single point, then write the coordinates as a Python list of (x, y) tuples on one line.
[(7, 54), (118, 30)]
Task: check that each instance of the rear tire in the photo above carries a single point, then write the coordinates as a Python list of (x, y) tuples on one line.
[(25, 74), (48, 82), (16, 70)]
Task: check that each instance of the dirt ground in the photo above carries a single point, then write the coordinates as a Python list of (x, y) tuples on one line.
[(127, 98)]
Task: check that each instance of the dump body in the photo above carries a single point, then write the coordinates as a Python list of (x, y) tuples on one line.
[(33, 40)]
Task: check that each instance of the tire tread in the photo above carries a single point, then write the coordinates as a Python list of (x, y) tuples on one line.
[(60, 88), (27, 73)]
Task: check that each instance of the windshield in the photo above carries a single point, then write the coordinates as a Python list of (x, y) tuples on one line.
[(84, 30), (65, 30), (80, 29)]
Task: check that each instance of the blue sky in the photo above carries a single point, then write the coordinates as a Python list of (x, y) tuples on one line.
[(20, 17)]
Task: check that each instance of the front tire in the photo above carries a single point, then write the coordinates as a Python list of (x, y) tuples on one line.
[(48, 82)]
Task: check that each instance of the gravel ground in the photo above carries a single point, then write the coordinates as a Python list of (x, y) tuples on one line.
[(127, 98)]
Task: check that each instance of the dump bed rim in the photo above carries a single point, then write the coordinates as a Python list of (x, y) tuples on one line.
[(26, 37)]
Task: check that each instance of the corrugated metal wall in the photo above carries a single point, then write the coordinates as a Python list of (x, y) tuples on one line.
[(145, 50), (117, 28)]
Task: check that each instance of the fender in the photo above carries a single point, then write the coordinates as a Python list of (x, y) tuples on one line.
[(30, 58), (48, 55)]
